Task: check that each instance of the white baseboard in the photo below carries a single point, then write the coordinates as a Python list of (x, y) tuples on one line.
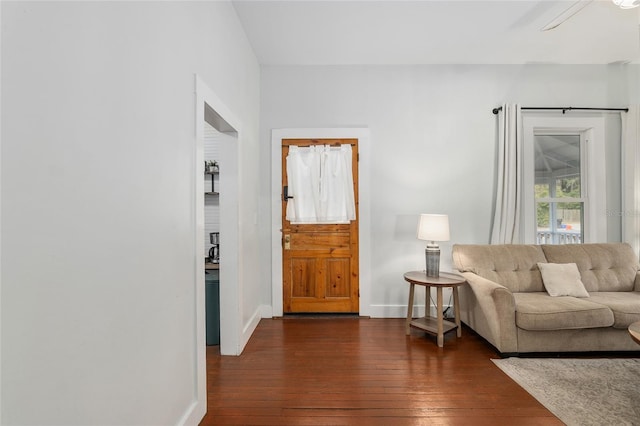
[(194, 414), (375, 311), (266, 311), (263, 311)]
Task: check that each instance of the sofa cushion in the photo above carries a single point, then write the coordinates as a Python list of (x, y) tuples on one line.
[(603, 267), (625, 306), (562, 279), (512, 265), (539, 311)]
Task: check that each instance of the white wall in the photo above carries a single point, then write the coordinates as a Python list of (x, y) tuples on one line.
[(433, 140), (98, 138)]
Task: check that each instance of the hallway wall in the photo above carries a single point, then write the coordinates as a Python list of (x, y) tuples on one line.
[(98, 286)]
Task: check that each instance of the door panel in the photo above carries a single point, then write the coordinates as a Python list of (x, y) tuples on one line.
[(320, 241), (338, 284), (320, 261), (302, 273)]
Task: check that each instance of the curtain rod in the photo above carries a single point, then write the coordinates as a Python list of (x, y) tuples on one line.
[(565, 109)]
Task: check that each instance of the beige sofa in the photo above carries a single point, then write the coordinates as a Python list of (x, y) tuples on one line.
[(505, 300)]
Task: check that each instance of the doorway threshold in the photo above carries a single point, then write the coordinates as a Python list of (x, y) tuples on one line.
[(322, 315)]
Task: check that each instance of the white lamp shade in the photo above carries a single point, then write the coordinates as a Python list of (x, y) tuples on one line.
[(433, 227)]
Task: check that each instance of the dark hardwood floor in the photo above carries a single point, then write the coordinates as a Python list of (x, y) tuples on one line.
[(350, 371)]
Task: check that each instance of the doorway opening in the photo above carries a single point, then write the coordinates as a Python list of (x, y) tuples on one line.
[(362, 135), (209, 110), (211, 113), (320, 227)]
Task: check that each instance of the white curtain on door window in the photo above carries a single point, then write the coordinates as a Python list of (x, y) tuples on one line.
[(303, 176), (631, 177), (506, 219), (337, 203), (320, 181)]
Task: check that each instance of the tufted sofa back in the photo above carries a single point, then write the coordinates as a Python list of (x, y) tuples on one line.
[(511, 265), (603, 267)]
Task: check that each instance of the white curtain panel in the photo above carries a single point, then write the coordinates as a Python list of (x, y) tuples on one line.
[(506, 219), (303, 177), (320, 181), (631, 177), (337, 198)]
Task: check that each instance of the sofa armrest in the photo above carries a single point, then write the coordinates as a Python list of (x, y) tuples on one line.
[(489, 309), (636, 284)]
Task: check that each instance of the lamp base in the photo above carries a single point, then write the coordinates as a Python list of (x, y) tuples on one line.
[(432, 257)]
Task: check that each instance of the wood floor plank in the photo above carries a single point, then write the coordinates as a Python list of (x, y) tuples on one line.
[(358, 371)]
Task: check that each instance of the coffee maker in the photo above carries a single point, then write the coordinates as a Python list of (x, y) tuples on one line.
[(214, 251)]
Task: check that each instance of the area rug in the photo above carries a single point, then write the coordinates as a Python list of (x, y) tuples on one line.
[(581, 391)]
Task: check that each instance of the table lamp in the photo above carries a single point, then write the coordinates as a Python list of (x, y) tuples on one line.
[(432, 228)]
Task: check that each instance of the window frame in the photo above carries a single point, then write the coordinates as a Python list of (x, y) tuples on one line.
[(552, 182), (592, 170)]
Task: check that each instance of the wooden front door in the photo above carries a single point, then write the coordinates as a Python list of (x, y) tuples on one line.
[(320, 261)]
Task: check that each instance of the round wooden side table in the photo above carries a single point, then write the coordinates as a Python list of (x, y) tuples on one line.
[(438, 326)]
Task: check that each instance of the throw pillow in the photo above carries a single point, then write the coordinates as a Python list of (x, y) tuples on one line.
[(562, 279)]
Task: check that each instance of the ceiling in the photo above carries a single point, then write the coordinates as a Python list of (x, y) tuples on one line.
[(334, 32), (557, 154)]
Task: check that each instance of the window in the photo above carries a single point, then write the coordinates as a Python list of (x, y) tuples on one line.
[(558, 188), (563, 180)]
